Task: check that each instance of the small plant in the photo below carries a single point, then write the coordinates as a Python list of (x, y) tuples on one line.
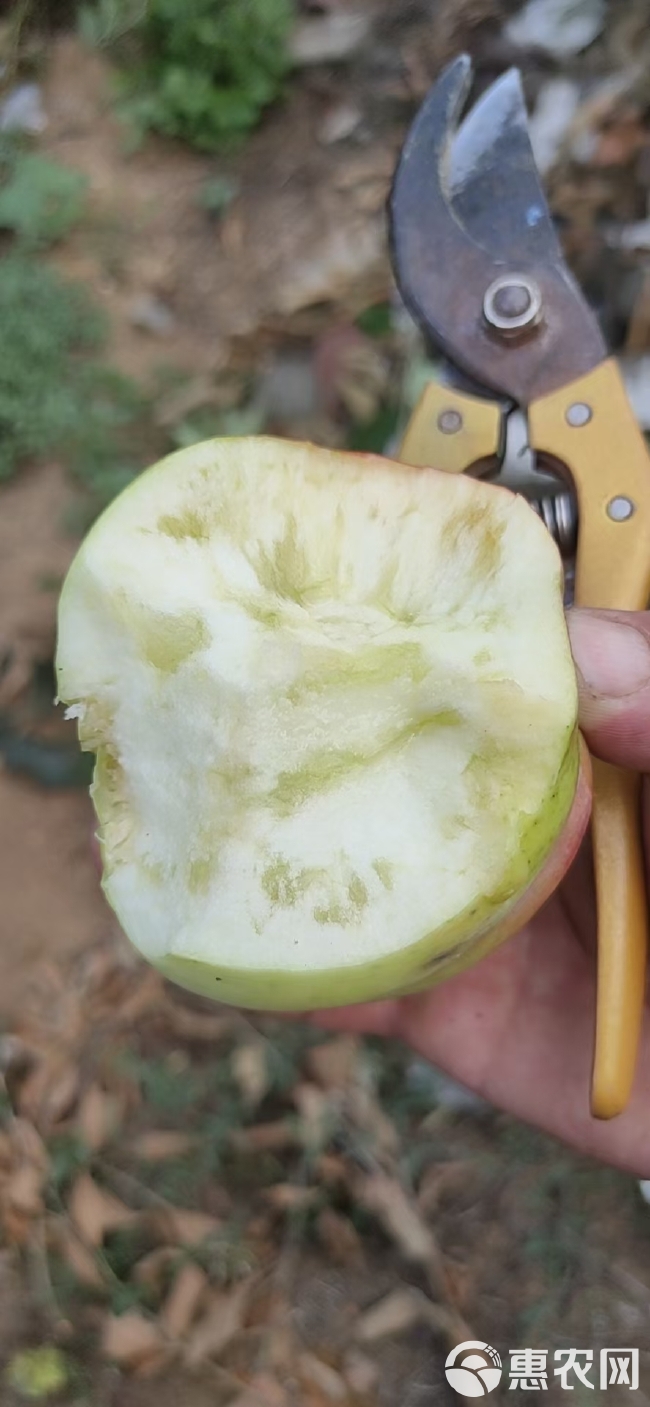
[(217, 193), (38, 1373), (68, 1156), (203, 71), (44, 323), (55, 397), (40, 200), (108, 21)]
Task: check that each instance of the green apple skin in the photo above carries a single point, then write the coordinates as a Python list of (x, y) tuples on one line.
[(426, 964)]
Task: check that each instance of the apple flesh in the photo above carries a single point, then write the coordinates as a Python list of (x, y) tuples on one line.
[(333, 708)]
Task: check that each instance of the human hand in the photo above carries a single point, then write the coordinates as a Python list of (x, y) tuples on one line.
[(518, 1027)]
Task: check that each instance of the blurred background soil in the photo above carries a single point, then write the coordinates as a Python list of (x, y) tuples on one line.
[(194, 1206)]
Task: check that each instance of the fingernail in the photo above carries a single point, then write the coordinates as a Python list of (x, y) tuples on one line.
[(613, 658)]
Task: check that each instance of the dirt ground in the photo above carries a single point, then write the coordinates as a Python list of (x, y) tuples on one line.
[(52, 902)]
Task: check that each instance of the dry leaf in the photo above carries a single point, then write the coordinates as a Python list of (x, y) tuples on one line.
[(366, 1112), (183, 1301), (249, 1068), (50, 1091), (637, 338), (27, 1144), (23, 1190), (273, 1137), (156, 1145), (223, 1319), (394, 1314), (363, 374), (6, 1153), (333, 1063), (315, 1111), (80, 1259), (360, 1372), (447, 1324), (182, 1227), (440, 1180), (148, 992), (323, 1377), (94, 1212), (621, 140), (132, 1341), (262, 1391), (98, 1117), (333, 1170), (289, 1196), (151, 1269), (24, 1180), (339, 1237), (387, 1199), (190, 1025), (280, 1336), (189, 396)]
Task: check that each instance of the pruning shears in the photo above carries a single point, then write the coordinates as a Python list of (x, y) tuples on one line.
[(479, 266)]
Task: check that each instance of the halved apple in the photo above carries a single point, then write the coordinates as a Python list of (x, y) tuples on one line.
[(333, 708)]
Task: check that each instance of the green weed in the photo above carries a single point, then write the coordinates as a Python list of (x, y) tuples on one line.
[(68, 1156), (202, 72), (207, 424), (40, 200), (166, 1089), (226, 1256), (56, 397), (217, 193), (123, 1249), (108, 21), (376, 321)]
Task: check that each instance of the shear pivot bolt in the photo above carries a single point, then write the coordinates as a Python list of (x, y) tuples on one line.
[(620, 509), (450, 422), (512, 302)]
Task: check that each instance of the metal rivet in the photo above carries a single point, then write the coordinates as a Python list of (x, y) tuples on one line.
[(578, 414), (620, 509), (450, 422), (512, 302)]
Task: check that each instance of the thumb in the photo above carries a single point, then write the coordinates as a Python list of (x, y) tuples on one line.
[(611, 650)]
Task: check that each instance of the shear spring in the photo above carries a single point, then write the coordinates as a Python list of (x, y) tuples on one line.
[(559, 512)]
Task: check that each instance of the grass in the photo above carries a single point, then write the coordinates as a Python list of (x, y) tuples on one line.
[(40, 200), (68, 1157), (57, 395), (203, 72), (57, 398)]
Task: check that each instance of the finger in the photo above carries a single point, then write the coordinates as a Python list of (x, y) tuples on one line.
[(518, 1029), (611, 650)]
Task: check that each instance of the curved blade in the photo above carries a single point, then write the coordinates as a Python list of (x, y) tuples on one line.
[(495, 186), (446, 254)]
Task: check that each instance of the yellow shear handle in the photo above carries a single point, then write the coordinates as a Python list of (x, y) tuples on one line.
[(451, 431), (589, 426)]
